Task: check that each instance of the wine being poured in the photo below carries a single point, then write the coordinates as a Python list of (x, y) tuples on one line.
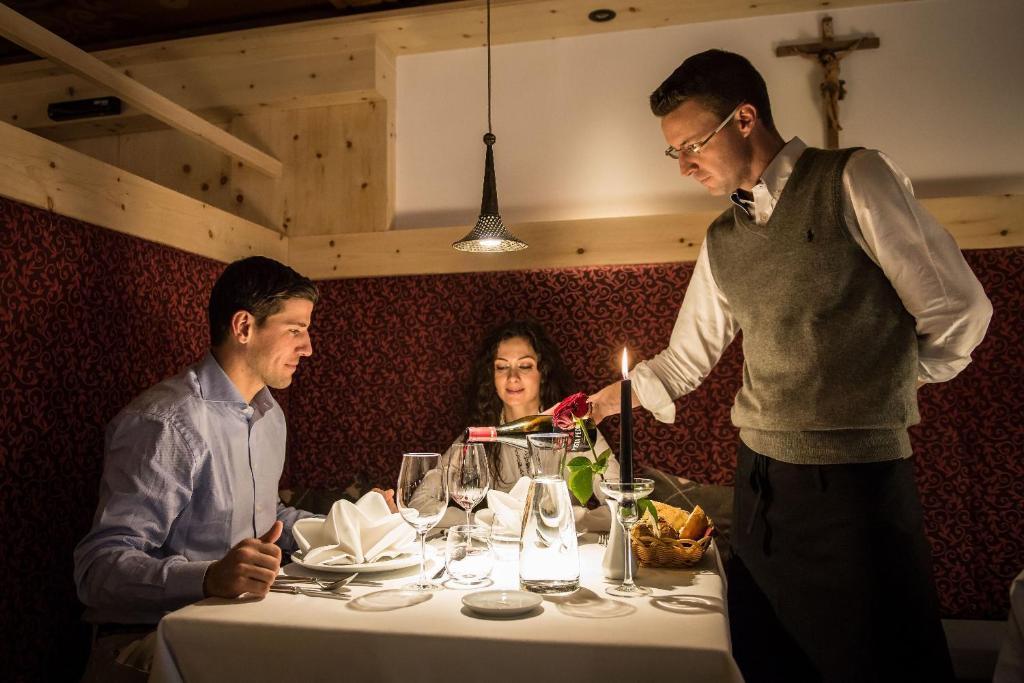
[(515, 432)]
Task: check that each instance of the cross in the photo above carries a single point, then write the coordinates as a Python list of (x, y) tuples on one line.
[(829, 52)]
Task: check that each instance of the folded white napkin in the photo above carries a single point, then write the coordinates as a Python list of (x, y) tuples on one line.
[(354, 533), (505, 511), (507, 508)]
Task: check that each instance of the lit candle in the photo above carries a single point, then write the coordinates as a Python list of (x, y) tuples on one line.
[(626, 426)]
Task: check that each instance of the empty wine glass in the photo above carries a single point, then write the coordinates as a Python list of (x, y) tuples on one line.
[(422, 497), (627, 513), (469, 476)]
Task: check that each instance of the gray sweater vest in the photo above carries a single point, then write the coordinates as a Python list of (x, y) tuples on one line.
[(830, 353)]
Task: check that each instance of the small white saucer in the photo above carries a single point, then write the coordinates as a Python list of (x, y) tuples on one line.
[(501, 603)]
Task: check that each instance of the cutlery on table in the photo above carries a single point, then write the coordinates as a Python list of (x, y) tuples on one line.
[(311, 592), (325, 584)]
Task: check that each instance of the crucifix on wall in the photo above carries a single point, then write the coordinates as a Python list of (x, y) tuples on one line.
[(829, 52)]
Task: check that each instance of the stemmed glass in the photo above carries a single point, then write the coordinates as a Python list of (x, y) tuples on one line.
[(469, 476), (422, 497), (622, 498)]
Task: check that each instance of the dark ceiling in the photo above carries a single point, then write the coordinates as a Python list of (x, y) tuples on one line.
[(100, 24)]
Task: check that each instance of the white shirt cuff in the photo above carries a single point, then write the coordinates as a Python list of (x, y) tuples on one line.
[(652, 393), (935, 371)]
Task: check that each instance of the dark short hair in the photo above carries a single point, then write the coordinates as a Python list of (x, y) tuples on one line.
[(258, 285), (718, 80)]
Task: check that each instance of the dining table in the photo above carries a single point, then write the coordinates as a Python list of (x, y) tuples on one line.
[(388, 633)]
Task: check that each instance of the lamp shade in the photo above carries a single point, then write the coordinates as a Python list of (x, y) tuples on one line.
[(489, 233)]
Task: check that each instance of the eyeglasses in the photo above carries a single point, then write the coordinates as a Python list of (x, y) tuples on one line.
[(694, 148)]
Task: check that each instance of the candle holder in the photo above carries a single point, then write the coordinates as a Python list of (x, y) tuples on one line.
[(627, 514)]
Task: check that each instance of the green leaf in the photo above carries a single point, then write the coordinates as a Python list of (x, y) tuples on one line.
[(645, 505), (600, 464), (579, 461), (581, 483)]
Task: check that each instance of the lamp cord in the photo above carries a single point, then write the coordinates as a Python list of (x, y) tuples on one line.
[(489, 67)]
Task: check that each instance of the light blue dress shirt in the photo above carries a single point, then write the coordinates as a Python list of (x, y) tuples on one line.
[(190, 469)]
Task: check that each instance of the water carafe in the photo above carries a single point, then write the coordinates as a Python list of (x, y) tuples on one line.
[(548, 556)]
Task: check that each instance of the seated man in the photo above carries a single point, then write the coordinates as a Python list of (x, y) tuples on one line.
[(188, 504)]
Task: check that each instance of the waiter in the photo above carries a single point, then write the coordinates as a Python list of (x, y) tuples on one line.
[(850, 297)]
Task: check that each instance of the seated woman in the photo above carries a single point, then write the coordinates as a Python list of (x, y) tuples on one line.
[(518, 371)]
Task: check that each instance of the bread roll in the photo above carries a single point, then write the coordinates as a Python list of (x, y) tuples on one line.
[(675, 517), (696, 525)]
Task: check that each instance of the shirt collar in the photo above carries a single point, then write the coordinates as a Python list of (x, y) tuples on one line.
[(215, 385), (774, 177)]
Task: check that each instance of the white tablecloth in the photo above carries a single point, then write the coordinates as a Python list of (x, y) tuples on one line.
[(679, 633)]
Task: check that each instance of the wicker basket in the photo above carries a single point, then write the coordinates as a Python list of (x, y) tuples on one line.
[(669, 553)]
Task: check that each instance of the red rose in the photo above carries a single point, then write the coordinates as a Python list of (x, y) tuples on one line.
[(574, 406)]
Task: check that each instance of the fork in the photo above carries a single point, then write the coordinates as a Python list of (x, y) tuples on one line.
[(336, 586), (291, 582), (324, 588), (602, 539), (311, 592), (326, 585)]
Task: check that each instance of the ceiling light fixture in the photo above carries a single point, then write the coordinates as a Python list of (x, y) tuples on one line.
[(489, 234), (601, 15)]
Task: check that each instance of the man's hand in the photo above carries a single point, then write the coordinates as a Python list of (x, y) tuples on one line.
[(389, 498), (606, 402), (249, 567)]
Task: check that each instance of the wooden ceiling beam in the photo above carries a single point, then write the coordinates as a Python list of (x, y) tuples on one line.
[(980, 222), (46, 174), (34, 37), (248, 76)]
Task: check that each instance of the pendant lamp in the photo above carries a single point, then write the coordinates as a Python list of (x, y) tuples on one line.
[(489, 234)]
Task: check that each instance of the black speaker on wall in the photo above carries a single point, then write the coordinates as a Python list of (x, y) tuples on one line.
[(83, 109)]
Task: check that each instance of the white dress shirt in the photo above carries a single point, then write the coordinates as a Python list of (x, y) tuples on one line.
[(918, 256)]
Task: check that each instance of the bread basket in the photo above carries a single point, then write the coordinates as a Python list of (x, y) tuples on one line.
[(683, 540)]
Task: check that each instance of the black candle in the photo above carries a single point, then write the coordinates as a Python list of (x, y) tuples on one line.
[(626, 426)]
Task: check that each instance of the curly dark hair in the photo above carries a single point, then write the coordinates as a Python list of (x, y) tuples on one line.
[(483, 406)]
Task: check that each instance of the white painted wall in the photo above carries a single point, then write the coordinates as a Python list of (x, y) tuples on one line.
[(943, 96)]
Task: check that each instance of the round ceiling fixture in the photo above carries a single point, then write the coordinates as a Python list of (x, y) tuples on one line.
[(601, 15)]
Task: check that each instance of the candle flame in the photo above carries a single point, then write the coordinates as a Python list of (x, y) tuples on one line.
[(625, 364)]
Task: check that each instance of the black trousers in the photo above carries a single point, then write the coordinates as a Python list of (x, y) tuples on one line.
[(831, 578)]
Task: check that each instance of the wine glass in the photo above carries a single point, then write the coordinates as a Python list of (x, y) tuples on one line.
[(469, 476), (422, 497), (625, 510)]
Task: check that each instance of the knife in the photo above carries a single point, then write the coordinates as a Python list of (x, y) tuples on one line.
[(311, 592)]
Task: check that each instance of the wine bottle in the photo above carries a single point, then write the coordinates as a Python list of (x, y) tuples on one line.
[(515, 432)]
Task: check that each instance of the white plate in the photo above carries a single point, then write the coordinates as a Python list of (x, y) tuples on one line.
[(501, 603), (400, 562)]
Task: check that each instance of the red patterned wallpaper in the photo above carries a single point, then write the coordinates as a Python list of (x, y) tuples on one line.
[(89, 317)]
